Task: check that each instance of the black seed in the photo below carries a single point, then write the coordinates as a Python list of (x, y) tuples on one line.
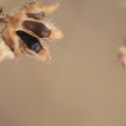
[(38, 28), (38, 16), (31, 42)]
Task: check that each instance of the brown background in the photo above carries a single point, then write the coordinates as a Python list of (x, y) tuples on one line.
[(84, 85)]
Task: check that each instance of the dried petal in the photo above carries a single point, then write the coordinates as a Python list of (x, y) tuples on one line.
[(51, 8), (35, 7)]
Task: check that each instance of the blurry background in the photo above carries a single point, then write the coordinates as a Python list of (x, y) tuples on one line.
[(84, 85)]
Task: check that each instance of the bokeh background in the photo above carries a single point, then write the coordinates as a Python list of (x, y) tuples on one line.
[(84, 85)]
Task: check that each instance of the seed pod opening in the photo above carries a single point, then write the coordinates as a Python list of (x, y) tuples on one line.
[(38, 28), (30, 41)]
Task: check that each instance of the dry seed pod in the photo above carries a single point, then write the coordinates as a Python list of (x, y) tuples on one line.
[(24, 36)]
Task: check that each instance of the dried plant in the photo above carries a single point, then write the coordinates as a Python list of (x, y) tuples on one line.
[(24, 31)]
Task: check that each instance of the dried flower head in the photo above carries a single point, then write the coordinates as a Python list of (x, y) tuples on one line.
[(26, 28)]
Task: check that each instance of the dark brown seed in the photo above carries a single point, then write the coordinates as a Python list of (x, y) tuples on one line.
[(1, 10), (38, 16), (38, 28)]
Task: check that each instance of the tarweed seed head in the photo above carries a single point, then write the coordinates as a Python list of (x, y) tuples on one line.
[(25, 29)]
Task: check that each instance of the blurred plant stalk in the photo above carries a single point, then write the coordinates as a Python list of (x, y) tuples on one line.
[(122, 55)]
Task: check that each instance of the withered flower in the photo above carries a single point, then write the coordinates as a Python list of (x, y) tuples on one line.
[(26, 28)]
